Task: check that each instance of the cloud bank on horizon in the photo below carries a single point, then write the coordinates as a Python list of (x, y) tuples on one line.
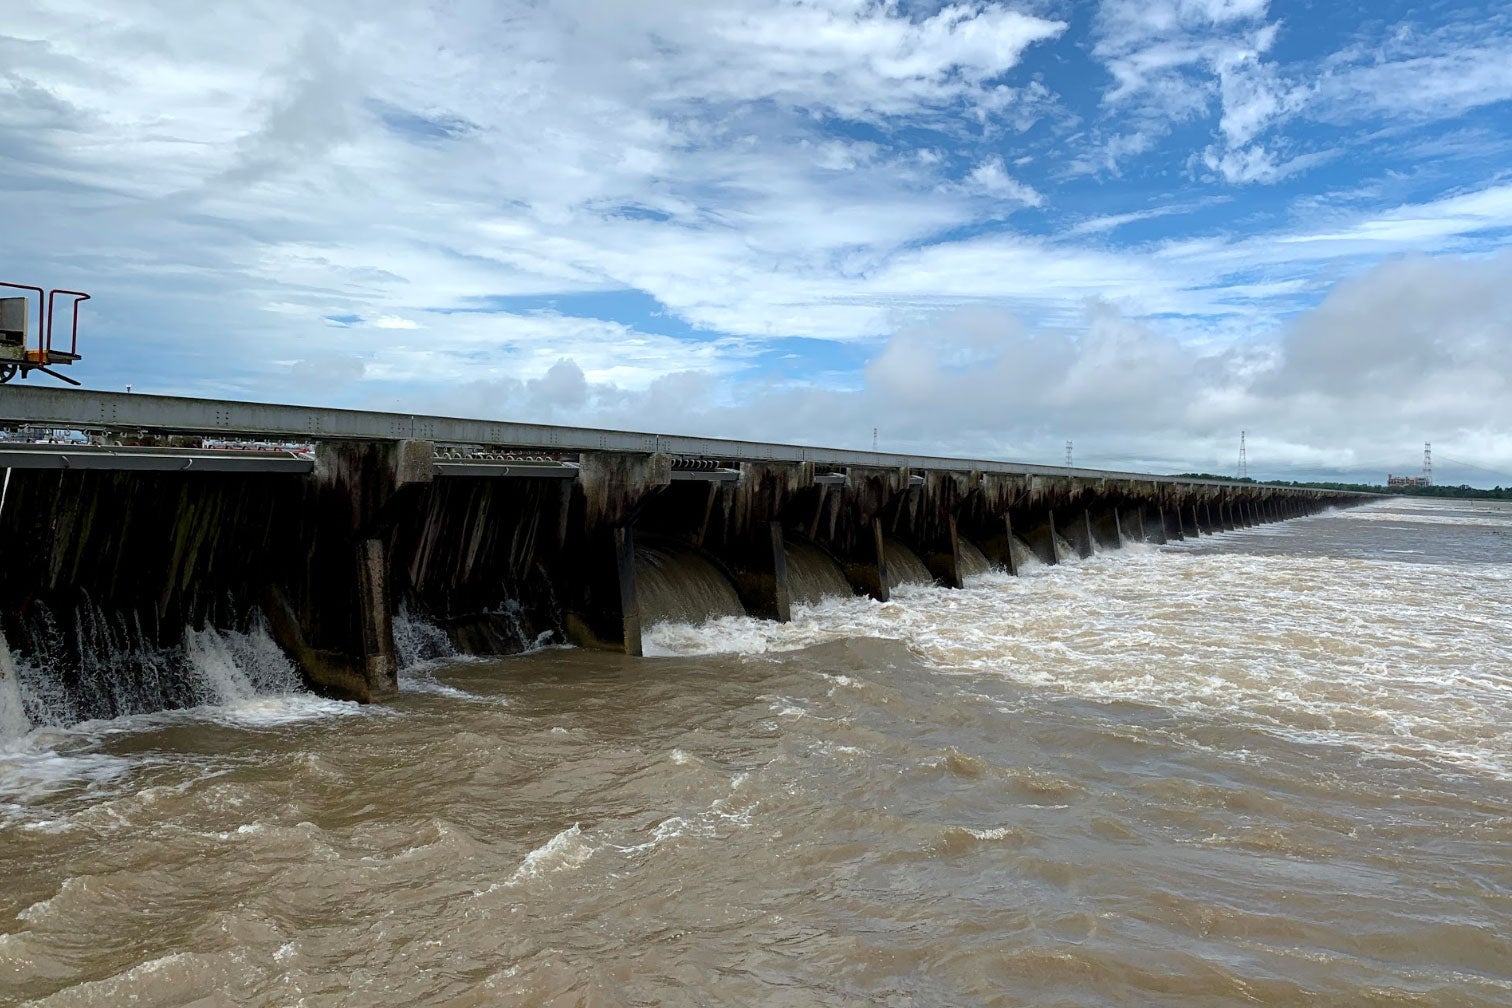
[(982, 228)]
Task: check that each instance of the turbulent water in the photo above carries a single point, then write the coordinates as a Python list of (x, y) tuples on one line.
[(1271, 767)]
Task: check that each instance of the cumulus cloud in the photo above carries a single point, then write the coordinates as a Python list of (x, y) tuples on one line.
[(1353, 387), (1174, 60), (993, 179)]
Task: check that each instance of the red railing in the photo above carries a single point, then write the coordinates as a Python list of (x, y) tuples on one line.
[(46, 312), (73, 342)]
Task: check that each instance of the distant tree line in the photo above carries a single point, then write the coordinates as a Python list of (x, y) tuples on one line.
[(1461, 491)]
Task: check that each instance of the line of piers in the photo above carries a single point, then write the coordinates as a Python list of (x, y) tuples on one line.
[(507, 545)]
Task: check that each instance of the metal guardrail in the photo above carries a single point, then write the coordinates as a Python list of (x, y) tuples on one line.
[(93, 457), (90, 410)]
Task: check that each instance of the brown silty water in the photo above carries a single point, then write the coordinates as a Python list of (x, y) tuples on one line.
[(1270, 767)]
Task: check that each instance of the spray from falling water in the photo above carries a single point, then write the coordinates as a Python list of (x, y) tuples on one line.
[(13, 720), (417, 640), (115, 669)]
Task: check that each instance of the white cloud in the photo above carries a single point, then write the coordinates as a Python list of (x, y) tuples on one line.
[(1172, 60), (1420, 74), (993, 179), (1111, 222), (1356, 385)]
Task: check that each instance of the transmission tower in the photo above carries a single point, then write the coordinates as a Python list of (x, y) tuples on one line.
[(1427, 464), (1068, 454), (874, 439), (1243, 461)]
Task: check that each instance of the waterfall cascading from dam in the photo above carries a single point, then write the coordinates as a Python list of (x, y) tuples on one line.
[(504, 629), (1066, 551), (13, 722), (677, 585), (417, 640), (1024, 556), (904, 565), (813, 574), (111, 669), (972, 561)]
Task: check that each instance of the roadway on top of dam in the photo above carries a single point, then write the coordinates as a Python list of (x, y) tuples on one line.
[(124, 411)]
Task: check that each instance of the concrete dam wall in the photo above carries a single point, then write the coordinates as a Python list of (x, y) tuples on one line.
[(117, 555)]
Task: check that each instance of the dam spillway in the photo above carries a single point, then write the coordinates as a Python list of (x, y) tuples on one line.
[(502, 535)]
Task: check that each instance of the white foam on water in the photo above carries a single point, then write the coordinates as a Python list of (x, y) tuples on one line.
[(1399, 658), (242, 679), (32, 775), (999, 833), (421, 680), (567, 850), (1414, 518)]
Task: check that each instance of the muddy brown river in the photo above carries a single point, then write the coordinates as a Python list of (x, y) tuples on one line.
[(1273, 767)]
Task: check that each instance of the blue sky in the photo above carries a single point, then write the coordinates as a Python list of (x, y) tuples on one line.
[(981, 228)]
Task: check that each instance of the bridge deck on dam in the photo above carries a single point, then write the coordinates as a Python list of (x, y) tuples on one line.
[(323, 525), (87, 410)]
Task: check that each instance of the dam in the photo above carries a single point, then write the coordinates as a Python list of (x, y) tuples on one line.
[(322, 526)]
